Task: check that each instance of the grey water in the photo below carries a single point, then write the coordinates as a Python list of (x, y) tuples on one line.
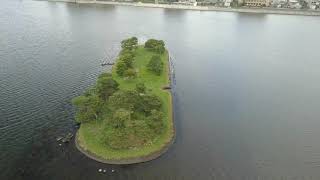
[(246, 97)]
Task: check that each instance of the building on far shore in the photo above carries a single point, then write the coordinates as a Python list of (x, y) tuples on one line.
[(187, 2), (227, 3), (256, 3), (313, 4)]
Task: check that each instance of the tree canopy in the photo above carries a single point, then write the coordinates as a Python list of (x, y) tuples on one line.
[(124, 66), (155, 65), (88, 108), (120, 117), (130, 73), (130, 43), (106, 86), (121, 67), (155, 45), (140, 88)]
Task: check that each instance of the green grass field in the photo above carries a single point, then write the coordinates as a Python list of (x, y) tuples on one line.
[(89, 133)]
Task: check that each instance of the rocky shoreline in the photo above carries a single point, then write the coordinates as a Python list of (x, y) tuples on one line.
[(202, 8)]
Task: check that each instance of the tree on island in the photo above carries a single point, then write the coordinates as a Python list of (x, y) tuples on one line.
[(133, 101), (123, 99), (155, 45), (88, 108), (106, 86), (130, 43), (147, 103), (127, 58), (121, 67), (130, 73), (120, 117), (155, 65), (155, 120), (125, 61), (140, 88)]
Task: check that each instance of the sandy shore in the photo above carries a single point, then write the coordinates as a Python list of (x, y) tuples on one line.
[(202, 8)]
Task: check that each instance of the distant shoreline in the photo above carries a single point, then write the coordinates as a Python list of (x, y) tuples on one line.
[(202, 8)]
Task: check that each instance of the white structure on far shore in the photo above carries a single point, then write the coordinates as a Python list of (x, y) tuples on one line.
[(257, 3), (227, 3), (313, 4), (187, 2)]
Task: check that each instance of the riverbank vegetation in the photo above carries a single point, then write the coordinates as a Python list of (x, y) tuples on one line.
[(127, 114)]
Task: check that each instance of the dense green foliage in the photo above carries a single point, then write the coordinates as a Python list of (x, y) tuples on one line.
[(105, 87), (130, 43), (121, 68), (88, 108), (155, 65), (130, 73), (155, 45), (140, 88), (119, 118), (126, 57), (129, 112)]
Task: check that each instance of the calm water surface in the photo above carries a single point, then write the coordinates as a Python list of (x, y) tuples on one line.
[(246, 95)]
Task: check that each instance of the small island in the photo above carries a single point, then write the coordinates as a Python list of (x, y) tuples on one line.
[(127, 116)]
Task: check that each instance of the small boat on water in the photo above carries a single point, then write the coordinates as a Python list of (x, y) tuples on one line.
[(59, 138), (107, 63), (65, 139)]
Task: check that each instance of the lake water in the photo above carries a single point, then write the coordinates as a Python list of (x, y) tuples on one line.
[(246, 90)]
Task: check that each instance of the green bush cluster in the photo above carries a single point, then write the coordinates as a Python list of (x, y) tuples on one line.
[(124, 66), (155, 65), (90, 105), (155, 45), (129, 44), (135, 117), (127, 114)]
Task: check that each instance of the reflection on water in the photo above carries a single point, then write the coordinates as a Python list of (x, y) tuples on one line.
[(246, 90)]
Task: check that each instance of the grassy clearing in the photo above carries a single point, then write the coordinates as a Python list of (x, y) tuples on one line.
[(89, 133)]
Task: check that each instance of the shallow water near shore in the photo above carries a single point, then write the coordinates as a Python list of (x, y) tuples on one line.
[(246, 90)]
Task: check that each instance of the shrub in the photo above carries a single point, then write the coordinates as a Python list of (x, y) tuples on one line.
[(125, 62), (140, 88), (119, 118), (127, 58), (117, 139), (155, 45), (126, 51), (147, 102), (105, 87), (87, 108), (130, 73), (159, 49), (130, 43), (155, 65), (123, 99), (121, 67), (155, 121)]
